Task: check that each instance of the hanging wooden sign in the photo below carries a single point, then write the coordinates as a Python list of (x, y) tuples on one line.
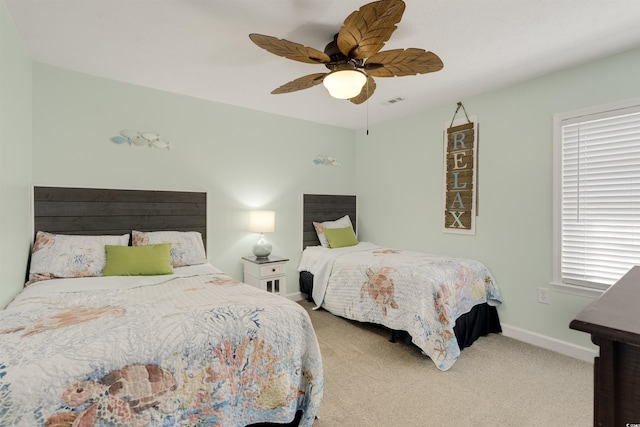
[(460, 165)]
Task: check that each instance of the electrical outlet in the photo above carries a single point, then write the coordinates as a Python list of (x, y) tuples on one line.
[(544, 296)]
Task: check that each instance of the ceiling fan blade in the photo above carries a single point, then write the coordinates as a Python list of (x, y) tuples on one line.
[(290, 50), (366, 30), (301, 83), (366, 92), (401, 62)]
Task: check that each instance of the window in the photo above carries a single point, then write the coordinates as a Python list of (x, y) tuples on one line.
[(596, 196)]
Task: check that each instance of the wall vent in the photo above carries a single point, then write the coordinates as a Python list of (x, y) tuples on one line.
[(393, 100)]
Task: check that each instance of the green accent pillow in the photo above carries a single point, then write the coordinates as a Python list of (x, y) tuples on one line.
[(146, 260), (340, 237)]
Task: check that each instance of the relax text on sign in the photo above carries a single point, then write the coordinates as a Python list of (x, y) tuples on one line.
[(460, 178)]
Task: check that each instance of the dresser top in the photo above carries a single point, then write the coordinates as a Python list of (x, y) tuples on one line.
[(615, 314)]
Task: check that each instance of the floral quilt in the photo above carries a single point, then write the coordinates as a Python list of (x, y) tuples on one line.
[(418, 293), (195, 348)]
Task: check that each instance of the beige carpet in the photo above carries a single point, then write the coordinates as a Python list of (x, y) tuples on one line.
[(369, 381)]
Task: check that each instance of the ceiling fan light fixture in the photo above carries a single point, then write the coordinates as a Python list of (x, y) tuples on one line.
[(354, 49), (345, 84)]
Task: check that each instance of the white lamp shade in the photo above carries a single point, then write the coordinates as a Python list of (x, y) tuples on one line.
[(344, 84), (262, 221)]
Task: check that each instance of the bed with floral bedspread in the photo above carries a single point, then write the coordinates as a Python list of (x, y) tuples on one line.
[(408, 291), (194, 348)]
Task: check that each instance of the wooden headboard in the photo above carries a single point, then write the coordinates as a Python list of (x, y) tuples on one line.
[(324, 207), (94, 211)]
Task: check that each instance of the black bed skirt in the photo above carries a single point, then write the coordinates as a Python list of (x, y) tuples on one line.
[(481, 320), (306, 284), (294, 423)]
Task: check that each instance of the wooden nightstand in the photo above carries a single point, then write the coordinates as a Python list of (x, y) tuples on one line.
[(268, 274)]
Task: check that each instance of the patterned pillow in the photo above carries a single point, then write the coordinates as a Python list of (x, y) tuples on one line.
[(60, 256), (187, 247), (343, 222)]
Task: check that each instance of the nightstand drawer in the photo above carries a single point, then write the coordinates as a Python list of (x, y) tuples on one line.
[(272, 270)]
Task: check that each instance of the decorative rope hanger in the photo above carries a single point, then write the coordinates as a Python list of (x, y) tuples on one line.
[(458, 109)]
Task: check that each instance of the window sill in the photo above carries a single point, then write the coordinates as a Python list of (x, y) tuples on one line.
[(577, 290)]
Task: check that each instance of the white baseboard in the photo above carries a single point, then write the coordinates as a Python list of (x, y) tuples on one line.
[(298, 296), (553, 344)]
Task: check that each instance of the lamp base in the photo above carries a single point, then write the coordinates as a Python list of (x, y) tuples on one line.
[(262, 248)]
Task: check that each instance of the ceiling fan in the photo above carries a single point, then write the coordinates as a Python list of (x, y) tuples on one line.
[(354, 57)]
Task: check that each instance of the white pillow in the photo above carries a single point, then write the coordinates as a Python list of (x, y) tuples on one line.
[(343, 222), (187, 247), (61, 255)]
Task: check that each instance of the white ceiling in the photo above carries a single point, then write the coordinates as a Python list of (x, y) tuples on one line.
[(201, 48)]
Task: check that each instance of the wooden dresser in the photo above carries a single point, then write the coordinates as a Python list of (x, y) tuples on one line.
[(613, 320)]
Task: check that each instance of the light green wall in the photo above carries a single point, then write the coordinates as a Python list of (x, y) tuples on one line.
[(243, 158), (400, 179), (246, 159), (15, 158)]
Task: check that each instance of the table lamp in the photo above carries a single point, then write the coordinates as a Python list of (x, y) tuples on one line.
[(262, 222)]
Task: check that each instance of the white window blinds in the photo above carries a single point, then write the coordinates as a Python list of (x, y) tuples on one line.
[(600, 197)]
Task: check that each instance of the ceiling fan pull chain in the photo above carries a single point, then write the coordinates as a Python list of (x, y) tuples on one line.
[(457, 109), (367, 86)]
